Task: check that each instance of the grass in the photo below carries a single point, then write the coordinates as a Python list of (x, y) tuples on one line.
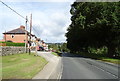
[(54, 53), (101, 57), (115, 61), (21, 66)]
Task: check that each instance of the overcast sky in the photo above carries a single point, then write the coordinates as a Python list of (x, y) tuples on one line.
[(50, 19)]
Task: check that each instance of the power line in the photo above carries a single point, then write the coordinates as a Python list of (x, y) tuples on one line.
[(36, 31), (18, 14), (13, 10)]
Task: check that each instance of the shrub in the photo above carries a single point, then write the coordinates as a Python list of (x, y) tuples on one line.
[(13, 44), (9, 41)]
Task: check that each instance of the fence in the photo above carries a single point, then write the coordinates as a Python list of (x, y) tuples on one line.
[(9, 50)]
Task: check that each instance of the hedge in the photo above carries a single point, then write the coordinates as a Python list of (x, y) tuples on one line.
[(13, 44)]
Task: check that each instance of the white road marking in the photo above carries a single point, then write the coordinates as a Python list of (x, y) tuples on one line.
[(60, 74), (104, 70)]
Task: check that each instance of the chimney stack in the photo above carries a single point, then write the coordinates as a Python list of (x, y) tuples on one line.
[(22, 27)]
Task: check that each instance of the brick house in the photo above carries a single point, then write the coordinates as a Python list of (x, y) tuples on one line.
[(16, 35), (19, 36)]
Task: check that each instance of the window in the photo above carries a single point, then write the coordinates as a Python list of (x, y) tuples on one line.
[(12, 36)]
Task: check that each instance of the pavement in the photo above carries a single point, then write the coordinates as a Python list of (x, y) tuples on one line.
[(77, 67), (52, 69)]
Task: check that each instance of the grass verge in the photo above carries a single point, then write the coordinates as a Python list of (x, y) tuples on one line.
[(54, 53), (101, 57), (21, 66), (111, 60)]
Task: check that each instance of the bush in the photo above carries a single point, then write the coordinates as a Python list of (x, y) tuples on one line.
[(14, 44), (9, 41)]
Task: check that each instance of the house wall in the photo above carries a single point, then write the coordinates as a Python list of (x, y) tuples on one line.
[(18, 38)]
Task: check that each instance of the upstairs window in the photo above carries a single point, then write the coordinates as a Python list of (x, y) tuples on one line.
[(12, 36)]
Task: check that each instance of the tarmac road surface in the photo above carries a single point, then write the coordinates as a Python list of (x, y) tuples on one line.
[(77, 67)]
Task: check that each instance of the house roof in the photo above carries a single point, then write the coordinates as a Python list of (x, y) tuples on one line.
[(20, 30)]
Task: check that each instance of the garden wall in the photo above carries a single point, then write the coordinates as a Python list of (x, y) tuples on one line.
[(8, 50)]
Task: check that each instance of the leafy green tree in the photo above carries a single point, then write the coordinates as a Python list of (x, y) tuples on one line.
[(94, 24), (53, 46), (63, 47)]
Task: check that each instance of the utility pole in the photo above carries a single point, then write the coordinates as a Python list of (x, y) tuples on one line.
[(30, 33), (5, 35), (36, 47), (26, 38)]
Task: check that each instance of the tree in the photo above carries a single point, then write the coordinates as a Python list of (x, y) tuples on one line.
[(63, 47), (94, 24)]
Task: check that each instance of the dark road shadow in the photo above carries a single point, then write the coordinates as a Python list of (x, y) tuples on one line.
[(66, 54)]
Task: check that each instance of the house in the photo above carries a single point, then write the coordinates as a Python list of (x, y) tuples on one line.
[(17, 35)]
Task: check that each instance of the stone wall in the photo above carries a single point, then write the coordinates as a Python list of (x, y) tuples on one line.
[(8, 50)]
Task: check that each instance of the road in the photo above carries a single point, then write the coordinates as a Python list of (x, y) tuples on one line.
[(77, 67)]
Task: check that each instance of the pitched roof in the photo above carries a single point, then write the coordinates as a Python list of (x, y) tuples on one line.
[(20, 30)]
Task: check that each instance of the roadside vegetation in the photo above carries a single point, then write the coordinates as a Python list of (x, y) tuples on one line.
[(21, 66), (95, 30), (59, 47), (13, 44), (101, 57), (54, 53)]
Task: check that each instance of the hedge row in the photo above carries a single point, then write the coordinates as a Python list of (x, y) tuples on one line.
[(13, 44)]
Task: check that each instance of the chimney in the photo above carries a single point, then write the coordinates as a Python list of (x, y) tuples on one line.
[(22, 27)]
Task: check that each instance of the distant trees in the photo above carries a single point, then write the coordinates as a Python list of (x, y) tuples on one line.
[(64, 48), (53, 46), (94, 24), (59, 47)]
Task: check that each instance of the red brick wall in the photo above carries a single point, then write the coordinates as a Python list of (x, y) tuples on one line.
[(18, 38)]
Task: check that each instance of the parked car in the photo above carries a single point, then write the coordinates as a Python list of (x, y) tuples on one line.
[(40, 48), (53, 50)]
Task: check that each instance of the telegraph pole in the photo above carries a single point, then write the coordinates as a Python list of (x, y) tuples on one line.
[(30, 33), (26, 38), (5, 35)]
